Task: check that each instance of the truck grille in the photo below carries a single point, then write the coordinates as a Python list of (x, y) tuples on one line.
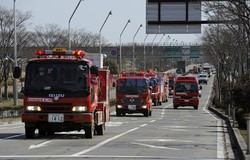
[(132, 100), (57, 107)]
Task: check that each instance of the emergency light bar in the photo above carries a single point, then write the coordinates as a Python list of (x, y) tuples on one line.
[(124, 74), (61, 51)]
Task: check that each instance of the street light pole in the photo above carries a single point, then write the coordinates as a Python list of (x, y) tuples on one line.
[(153, 44), (70, 21), (121, 44), (100, 36), (133, 60), (15, 94), (144, 52), (166, 41), (153, 48)]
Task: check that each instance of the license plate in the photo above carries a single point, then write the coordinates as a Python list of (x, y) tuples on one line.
[(132, 107), (186, 100), (57, 118)]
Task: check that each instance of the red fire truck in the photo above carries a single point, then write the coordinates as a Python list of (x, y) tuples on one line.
[(64, 92), (186, 92), (133, 94)]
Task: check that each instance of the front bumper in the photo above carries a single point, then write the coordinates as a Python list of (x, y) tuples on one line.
[(186, 102), (137, 109), (80, 118)]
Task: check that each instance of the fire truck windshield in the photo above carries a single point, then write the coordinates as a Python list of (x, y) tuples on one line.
[(186, 87), (66, 76), (132, 86)]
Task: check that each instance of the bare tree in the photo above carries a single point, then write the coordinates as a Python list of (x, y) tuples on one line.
[(7, 40), (49, 36)]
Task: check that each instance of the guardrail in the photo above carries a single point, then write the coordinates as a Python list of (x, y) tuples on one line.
[(10, 112)]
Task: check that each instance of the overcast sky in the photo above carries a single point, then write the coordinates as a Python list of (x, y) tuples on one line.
[(91, 15)]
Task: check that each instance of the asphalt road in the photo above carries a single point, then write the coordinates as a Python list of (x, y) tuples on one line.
[(184, 133)]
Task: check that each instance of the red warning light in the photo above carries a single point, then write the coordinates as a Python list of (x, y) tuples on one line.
[(79, 53), (40, 52)]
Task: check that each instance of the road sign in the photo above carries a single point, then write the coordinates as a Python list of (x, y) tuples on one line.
[(173, 17), (113, 52)]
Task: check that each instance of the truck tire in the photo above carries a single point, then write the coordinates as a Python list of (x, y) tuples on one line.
[(175, 107), (118, 113), (155, 103), (160, 103), (99, 129), (146, 113), (41, 132), (196, 107), (50, 132), (123, 114), (29, 132), (89, 132)]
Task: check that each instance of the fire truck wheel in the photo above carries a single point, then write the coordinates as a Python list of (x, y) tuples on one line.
[(123, 114), (155, 103), (146, 113), (196, 107), (29, 132), (41, 132), (50, 132), (175, 107), (89, 132), (118, 113), (160, 103), (99, 129)]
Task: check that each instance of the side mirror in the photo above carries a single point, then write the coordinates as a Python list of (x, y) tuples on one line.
[(17, 72), (200, 87), (94, 70), (22, 90)]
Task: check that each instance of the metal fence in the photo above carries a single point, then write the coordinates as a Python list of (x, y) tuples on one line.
[(10, 112)]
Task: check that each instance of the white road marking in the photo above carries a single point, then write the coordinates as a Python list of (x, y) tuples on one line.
[(96, 156), (181, 130), (39, 145), (220, 142), (163, 140), (143, 125), (158, 147), (104, 142), (10, 137), (152, 121)]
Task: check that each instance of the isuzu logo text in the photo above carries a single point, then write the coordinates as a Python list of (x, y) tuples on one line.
[(56, 95)]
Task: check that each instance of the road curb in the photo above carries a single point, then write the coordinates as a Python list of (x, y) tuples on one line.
[(238, 145)]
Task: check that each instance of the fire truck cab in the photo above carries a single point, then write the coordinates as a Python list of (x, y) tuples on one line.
[(186, 92), (133, 94), (65, 92)]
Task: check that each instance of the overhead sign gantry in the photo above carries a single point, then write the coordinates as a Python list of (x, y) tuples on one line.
[(174, 16)]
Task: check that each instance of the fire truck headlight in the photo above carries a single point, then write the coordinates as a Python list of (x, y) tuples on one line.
[(119, 106), (144, 107), (154, 93), (79, 109), (33, 108)]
